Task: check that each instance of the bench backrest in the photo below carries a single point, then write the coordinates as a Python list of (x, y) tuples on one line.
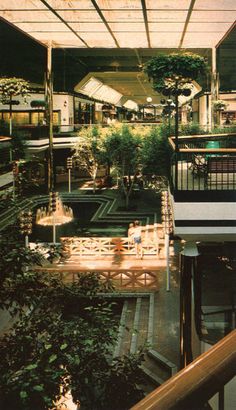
[(221, 164)]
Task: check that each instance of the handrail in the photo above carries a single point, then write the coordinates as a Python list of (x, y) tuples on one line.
[(197, 382)]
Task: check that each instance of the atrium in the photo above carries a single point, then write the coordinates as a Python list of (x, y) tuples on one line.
[(92, 140)]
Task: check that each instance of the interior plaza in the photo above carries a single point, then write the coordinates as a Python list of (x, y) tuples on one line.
[(84, 64)]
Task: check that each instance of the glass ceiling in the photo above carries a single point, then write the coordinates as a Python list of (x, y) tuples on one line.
[(122, 23)]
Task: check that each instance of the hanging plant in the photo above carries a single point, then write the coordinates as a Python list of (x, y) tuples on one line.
[(165, 70), (219, 105)]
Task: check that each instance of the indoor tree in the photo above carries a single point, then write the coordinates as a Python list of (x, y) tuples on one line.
[(88, 151), (122, 145), (156, 153)]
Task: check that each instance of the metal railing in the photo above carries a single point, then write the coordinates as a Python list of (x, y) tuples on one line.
[(197, 383), (204, 163)]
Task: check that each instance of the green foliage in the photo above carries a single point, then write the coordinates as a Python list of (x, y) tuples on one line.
[(13, 86), (156, 153), (18, 145), (185, 65), (219, 105), (88, 149), (62, 339), (89, 153), (192, 129), (122, 145)]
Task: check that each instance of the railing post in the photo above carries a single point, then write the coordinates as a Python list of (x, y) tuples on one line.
[(221, 399)]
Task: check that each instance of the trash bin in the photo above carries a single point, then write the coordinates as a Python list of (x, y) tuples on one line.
[(212, 145)]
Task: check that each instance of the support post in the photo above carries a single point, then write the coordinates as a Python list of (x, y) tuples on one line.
[(167, 251), (214, 86), (14, 187), (188, 256), (69, 180), (53, 229), (49, 116), (26, 241), (176, 133)]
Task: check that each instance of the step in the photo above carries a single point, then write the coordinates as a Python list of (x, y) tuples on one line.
[(152, 376), (159, 358)]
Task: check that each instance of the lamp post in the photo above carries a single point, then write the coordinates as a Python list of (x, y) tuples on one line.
[(25, 219), (69, 164), (168, 228), (177, 86)]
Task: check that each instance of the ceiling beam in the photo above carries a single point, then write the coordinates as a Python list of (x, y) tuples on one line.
[(144, 8), (64, 22), (186, 23), (105, 22)]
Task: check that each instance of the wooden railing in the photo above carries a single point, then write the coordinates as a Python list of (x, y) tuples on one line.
[(193, 386), (99, 246)]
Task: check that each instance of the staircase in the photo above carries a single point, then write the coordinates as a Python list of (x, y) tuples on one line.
[(135, 331)]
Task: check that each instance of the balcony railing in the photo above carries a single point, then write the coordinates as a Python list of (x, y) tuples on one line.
[(197, 383), (204, 163)]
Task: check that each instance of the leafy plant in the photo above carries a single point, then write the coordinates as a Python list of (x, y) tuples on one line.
[(219, 105), (123, 145), (62, 332), (11, 87), (88, 150), (156, 152), (167, 69)]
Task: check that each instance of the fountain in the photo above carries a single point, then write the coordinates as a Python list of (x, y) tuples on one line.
[(55, 214)]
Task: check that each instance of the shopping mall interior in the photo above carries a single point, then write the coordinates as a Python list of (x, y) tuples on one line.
[(117, 204)]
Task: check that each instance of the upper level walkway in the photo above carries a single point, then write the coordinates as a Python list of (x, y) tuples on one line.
[(204, 163)]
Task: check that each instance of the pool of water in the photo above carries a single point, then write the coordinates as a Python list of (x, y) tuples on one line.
[(81, 225)]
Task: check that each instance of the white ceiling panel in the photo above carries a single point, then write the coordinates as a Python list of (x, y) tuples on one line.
[(198, 41), (127, 26), (215, 4), (213, 16), (22, 5), (70, 4), (27, 16), (167, 15), (132, 40), (168, 4), (43, 27), (79, 15), (164, 40), (119, 4), (166, 27), (98, 27)]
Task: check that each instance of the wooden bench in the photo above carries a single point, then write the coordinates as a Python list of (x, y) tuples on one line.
[(220, 171)]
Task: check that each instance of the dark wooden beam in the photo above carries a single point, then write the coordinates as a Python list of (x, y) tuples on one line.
[(146, 22)]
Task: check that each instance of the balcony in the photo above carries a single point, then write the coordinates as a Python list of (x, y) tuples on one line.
[(203, 187)]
